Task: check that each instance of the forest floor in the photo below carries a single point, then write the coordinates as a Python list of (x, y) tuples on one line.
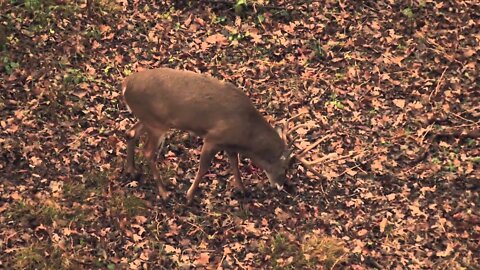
[(391, 88)]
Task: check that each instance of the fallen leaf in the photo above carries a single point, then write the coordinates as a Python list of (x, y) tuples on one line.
[(377, 165), (216, 38), (383, 224), (399, 103), (362, 232), (171, 249), (140, 219), (202, 259), (448, 250)]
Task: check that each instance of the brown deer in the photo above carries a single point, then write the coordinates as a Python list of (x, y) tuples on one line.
[(219, 112)]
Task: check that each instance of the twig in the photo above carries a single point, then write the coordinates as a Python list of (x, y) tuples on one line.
[(238, 262), (438, 84), (295, 128), (429, 128), (326, 82), (372, 156), (471, 109), (295, 116), (198, 228), (463, 118), (473, 134), (350, 168), (221, 261), (338, 260), (6, 11)]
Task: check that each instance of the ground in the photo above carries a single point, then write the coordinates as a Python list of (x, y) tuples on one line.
[(390, 88)]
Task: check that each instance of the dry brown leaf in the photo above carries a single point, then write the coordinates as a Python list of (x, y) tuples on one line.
[(383, 224), (216, 39), (140, 219), (377, 165), (444, 253), (362, 232), (202, 259), (171, 249), (399, 103)]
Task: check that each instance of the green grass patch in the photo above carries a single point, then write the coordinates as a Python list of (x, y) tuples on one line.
[(75, 76), (335, 102), (450, 167), (34, 214), (43, 12), (408, 12), (41, 256), (106, 7), (9, 65), (281, 253), (92, 184), (76, 192), (96, 180), (242, 212), (323, 250), (128, 205)]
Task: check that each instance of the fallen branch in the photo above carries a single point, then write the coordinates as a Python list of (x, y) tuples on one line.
[(472, 134), (455, 133)]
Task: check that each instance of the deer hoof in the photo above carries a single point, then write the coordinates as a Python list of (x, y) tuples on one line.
[(289, 188), (129, 170), (132, 173), (190, 194)]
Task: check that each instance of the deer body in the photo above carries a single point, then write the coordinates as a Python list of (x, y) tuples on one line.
[(219, 112)]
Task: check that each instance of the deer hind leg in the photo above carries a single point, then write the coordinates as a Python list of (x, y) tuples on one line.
[(208, 151), (150, 153), (132, 138), (233, 158)]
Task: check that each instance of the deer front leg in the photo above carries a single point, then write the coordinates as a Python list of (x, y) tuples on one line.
[(132, 137), (150, 153), (233, 158), (208, 151)]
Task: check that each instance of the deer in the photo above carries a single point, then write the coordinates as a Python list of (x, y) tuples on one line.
[(219, 112)]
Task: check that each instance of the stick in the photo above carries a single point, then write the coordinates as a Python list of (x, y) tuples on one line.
[(438, 85)]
